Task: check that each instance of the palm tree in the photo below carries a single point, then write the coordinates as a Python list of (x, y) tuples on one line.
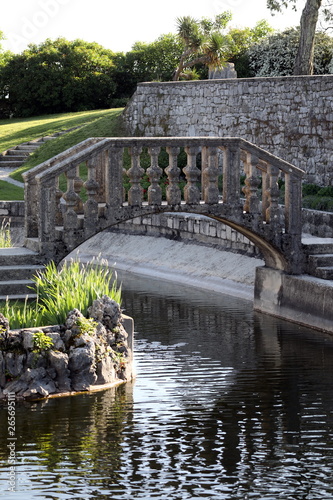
[(203, 42)]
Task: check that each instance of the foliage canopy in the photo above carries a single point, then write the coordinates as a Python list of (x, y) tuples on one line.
[(58, 76), (275, 56)]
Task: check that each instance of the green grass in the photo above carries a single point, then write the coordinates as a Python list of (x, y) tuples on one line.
[(75, 285), (10, 192), (106, 126), (17, 130)]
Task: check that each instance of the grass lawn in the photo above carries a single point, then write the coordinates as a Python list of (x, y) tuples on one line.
[(107, 125), (10, 192), (17, 130)]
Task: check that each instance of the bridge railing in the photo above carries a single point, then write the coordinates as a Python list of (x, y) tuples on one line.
[(80, 192)]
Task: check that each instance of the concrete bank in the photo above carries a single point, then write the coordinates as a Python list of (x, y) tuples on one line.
[(186, 263)]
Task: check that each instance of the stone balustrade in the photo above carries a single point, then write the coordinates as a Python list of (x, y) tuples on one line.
[(81, 191)]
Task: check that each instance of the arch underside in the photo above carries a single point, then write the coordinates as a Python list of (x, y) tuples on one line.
[(272, 255)]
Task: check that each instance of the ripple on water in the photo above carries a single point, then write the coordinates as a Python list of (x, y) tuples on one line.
[(226, 405)]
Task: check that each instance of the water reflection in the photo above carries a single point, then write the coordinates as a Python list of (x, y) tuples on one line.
[(228, 404)]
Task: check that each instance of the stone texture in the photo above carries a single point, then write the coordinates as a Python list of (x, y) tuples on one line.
[(76, 361), (106, 311), (290, 117)]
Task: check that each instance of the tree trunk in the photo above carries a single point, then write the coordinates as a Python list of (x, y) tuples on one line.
[(304, 59)]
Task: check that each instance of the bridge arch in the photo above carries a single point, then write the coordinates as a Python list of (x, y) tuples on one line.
[(57, 221), (272, 257)]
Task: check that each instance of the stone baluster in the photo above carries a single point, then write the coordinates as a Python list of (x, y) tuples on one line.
[(231, 176), (154, 173), (135, 174), (192, 173), (114, 177), (100, 161), (209, 175), (70, 216), (273, 211), (252, 182), (59, 206), (91, 205), (78, 183), (173, 192)]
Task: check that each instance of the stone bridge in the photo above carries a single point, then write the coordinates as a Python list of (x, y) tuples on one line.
[(81, 192)]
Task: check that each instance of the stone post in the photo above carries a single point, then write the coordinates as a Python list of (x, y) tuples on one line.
[(31, 200), (231, 184), (47, 216)]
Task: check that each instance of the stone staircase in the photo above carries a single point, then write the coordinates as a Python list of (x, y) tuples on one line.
[(17, 266), (15, 157), (319, 256)]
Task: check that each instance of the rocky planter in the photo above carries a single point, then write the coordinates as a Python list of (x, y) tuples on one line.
[(81, 355)]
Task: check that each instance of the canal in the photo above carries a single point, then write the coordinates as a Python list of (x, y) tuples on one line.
[(227, 404)]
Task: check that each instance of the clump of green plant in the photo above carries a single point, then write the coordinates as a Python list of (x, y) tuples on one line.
[(22, 314), (86, 325), (317, 197), (74, 286), (42, 342), (5, 236)]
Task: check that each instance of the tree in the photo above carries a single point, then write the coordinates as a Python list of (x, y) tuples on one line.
[(203, 42), (5, 56), (146, 62), (304, 59), (59, 76), (275, 56), (239, 41)]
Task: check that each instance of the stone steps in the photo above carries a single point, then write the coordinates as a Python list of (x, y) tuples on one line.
[(319, 257), (17, 267), (15, 157), (15, 287)]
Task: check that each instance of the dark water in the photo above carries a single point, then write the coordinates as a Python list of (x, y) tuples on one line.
[(227, 404)]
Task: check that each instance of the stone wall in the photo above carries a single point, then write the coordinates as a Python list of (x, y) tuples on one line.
[(192, 228), (12, 211), (201, 229), (291, 117)]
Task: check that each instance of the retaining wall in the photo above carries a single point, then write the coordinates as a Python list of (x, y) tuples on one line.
[(13, 211), (291, 117), (201, 229), (305, 300)]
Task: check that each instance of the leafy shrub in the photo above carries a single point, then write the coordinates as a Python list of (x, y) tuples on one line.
[(315, 202), (310, 189), (42, 342), (275, 55)]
